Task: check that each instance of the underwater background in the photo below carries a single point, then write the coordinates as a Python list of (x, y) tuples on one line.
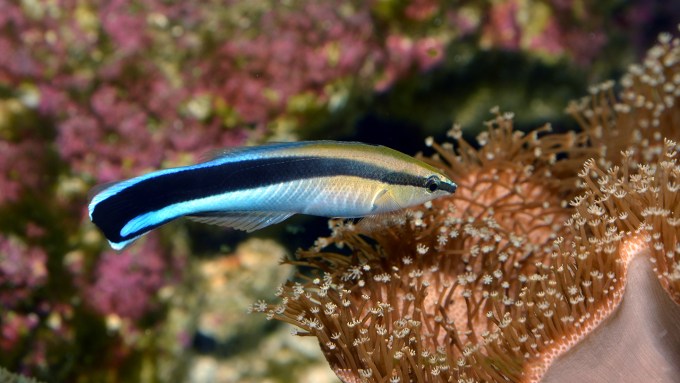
[(93, 92)]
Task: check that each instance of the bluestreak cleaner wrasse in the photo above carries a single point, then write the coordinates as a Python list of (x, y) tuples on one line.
[(250, 188)]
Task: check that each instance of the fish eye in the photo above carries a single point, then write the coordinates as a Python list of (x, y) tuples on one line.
[(432, 184)]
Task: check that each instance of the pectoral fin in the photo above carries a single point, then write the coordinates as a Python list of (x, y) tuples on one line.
[(387, 212), (247, 220), (384, 202)]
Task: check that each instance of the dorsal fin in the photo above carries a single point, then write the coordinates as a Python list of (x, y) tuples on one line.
[(239, 150), (269, 146)]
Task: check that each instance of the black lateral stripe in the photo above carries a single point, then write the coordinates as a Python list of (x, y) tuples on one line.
[(158, 192)]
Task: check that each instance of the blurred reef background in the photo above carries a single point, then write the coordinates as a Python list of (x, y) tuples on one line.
[(92, 92)]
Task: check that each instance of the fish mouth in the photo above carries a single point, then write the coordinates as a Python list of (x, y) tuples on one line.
[(448, 187)]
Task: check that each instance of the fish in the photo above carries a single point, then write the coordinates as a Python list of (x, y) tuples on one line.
[(252, 187)]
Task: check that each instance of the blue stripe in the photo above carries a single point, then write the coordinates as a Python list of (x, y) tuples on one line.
[(228, 156)]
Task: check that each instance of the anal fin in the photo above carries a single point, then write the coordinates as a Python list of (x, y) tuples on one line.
[(245, 220)]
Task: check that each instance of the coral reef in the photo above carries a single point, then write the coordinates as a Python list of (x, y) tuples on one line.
[(124, 284), (504, 280), (115, 77)]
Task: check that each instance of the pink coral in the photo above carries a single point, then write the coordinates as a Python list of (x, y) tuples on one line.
[(421, 10), (428, 52), (503, 29), (549, 40), (296, 51), (115, 77), (404, 55), (106, 82), (22, 270), (125, 284), (130, 84), (126, 30), (13, 327), (20, 168)]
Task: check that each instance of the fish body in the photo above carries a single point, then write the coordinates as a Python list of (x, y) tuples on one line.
[(253, 187)]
